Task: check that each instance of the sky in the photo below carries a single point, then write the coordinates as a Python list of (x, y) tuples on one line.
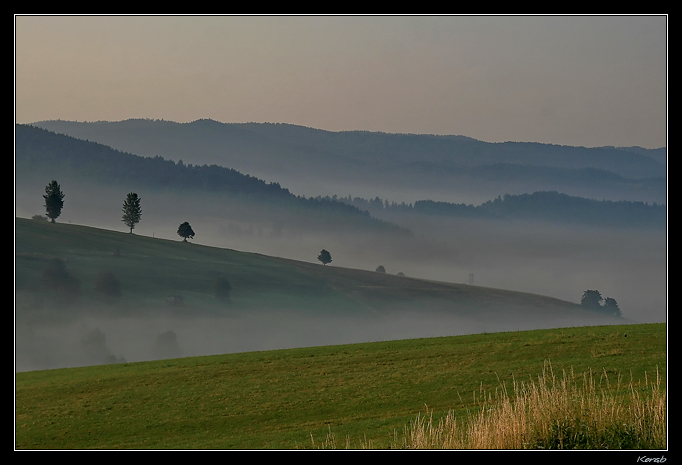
[(569, 80)]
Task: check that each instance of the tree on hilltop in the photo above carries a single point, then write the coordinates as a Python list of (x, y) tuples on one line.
[(54, 200), (132, 212), (185, 231), (325, 257)]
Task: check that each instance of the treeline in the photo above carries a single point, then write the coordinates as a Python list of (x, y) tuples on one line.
[(57, 155), (547, 206), (39, 149)]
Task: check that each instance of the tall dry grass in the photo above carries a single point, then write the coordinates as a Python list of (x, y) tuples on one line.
[(553, 413)]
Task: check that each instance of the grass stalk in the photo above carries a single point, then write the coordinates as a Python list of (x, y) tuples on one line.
[(567, 412)]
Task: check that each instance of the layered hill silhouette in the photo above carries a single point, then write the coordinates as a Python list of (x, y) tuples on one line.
[(539, 233), (43, 153), (441, 167), (294, 301)]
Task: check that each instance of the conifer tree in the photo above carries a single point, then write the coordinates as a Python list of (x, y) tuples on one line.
[(54, 200), (132, 212)]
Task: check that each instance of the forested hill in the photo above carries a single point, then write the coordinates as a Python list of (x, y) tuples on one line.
[(374, 163), (557, 207), (209, 141), (545, 206), (42, 152)]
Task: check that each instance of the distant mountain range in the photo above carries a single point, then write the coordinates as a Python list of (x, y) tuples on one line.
[(43, 155), (39, 152), (446, 168)]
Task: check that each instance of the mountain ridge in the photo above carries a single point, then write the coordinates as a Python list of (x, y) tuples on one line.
[(300, 156)]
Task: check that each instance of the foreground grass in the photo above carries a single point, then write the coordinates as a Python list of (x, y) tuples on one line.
[(569, 412), (361, 393)]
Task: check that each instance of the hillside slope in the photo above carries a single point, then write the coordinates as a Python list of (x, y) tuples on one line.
[(186, 267), (274, 302)]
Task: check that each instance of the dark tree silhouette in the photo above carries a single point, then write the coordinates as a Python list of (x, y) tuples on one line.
[(380, 269), (54, 200), (325, 257), (611, 307), (185, 231), (591, 300), (132, 211)]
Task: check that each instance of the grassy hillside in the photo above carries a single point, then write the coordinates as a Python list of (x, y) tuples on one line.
[(149, 270), (361, 393)]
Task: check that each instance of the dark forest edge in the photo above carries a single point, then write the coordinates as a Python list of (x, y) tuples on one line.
[(39, 149), (546, 206)]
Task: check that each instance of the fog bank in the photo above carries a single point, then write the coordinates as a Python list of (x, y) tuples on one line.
[(96, 341)]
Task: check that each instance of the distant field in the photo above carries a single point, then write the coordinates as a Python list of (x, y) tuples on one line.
[(362, 393)]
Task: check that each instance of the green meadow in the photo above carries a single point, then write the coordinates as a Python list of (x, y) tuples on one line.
[(359, 395), (332, 396), (150, 269)]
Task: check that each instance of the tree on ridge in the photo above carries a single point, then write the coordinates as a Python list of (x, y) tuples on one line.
[(325, 257), (54, 200), (132, 211), (185, 231)]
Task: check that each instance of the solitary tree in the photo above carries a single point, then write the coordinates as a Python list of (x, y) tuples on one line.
[(381, 269), (325, 257), (185, 231), (54, 200), (132, 212), (591, 300), (611, 307)]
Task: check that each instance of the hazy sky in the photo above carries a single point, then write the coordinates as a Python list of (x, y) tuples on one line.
[(576, 80)]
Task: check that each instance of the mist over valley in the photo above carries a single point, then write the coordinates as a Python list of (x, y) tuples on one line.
[(468, 267), (398, 167)]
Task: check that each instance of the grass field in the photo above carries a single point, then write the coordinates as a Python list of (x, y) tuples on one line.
[(359, 395), (364, 395), (149, 270)]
